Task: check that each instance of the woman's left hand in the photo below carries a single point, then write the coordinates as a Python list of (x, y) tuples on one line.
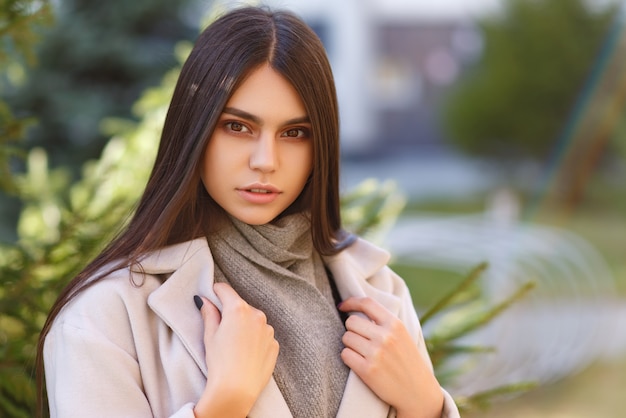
[(380, 350)]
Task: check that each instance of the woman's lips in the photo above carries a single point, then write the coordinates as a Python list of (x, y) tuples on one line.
[(258, 194)]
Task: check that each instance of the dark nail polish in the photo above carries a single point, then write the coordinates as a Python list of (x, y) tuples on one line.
[(198, 301)]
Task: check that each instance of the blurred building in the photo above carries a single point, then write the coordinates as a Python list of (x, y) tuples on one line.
[(393, 62)]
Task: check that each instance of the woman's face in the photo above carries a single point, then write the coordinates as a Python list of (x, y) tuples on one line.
[(261, 153)]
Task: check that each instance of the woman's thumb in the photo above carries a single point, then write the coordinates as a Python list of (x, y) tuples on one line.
[(210, 314)]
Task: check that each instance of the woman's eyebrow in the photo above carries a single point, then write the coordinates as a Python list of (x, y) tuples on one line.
[(253, 118), (242, 114), (295, 121)]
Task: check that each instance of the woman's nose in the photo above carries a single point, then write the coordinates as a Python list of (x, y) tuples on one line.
[(263, 156)]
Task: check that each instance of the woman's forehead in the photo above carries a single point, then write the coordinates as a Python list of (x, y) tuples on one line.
[(266, 96)]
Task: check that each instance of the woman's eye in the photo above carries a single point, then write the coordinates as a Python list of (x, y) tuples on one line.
[(236, 127), (296, 133)]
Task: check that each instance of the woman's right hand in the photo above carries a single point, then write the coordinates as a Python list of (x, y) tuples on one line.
[(241, 354)]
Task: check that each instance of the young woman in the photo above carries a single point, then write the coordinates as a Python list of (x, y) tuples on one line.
[(240, 219)]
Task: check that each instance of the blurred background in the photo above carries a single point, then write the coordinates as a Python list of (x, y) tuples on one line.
[(492, 130)]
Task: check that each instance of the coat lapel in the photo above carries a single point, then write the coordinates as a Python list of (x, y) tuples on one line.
[(173, 302), (190, 269), (351, 270)]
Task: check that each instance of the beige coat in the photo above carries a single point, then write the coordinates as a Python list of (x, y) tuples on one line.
[(123, 350)]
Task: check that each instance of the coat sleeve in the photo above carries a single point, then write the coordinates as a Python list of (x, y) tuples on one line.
[(89, 375), (408, 316)]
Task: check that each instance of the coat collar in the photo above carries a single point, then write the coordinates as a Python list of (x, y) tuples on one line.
[(189, 270), (361, 270)]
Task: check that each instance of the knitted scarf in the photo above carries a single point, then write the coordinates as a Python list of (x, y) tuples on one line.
[(275, 268)]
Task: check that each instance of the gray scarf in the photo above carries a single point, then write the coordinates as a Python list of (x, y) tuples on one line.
[(275, 268)]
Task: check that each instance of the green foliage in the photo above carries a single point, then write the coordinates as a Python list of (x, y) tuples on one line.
[(94, 63), (537, 56), (20, 21), (371, 207), (458, 316), (62, 226), (441, 343)]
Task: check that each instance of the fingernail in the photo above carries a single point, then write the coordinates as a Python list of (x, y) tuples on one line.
[(339, 305), (198, 301)]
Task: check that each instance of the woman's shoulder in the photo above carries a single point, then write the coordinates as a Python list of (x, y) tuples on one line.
[(108, 298), (116, 291), (107, 312)]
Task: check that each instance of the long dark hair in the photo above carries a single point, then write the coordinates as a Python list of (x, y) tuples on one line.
[(175, 206)]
